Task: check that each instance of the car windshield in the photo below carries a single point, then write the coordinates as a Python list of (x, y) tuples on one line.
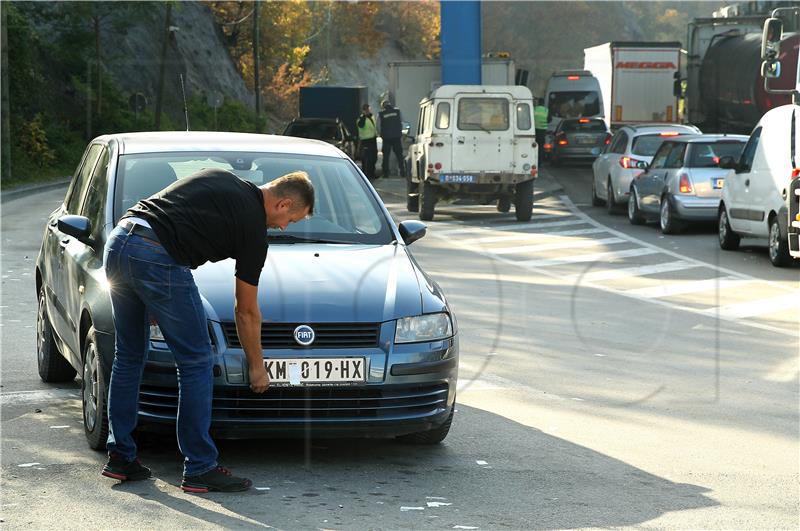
[(345, 210), (316, 131), (573, 104), (707, 154), (577, 126), (647, 145)]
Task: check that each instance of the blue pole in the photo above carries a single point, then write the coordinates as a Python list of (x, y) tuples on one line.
[(461, 42)]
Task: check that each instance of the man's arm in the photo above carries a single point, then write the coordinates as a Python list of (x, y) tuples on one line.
[(248, 326)]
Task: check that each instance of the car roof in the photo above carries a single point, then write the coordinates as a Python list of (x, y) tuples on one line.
[(707, 138), (191, 141), (654, 128)]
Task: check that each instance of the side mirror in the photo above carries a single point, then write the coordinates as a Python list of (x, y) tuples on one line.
[(727, 163), (771, 39), (642, 165), (412, 230), (78, 227)]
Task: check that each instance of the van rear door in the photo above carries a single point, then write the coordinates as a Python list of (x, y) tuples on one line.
[(483, 138)]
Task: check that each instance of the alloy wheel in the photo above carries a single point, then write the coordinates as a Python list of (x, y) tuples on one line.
[(774, 242), (90, 387)]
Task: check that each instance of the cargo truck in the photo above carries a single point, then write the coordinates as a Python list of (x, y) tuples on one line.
[(636, 80)]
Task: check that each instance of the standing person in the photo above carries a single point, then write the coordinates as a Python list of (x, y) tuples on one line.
[(540, 120), (209, 216), (367, 141), (391, 126)]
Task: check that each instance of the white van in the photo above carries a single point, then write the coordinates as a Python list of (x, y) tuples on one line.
[(475, 141), (755, 197), (572, 94)]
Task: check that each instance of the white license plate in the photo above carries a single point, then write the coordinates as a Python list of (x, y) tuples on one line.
[(453, 178), (316, 370), (585, 140), (719, 183)]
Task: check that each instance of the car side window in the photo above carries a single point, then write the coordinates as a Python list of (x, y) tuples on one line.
[(675, 158), (77, 190), (94, 205), (749, 152), (443, 115), (620, 144), (661, 155)]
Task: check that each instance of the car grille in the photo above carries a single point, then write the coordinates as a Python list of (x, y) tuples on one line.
[(327, 335), (284, 404)]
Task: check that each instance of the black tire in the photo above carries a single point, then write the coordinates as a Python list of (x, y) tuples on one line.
[(427, 195), (634, 214), (94, 394), (596, 201), (434, 436), (504, 204), (728, 240), (667, 219), (778, 245), (53, 367), (412, 195), (611, 203), (523, 200)]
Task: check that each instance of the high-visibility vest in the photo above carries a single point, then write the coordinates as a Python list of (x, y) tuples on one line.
[(368, 130), (540, 116)]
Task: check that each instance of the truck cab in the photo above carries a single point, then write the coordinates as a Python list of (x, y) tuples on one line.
[(474, 141)]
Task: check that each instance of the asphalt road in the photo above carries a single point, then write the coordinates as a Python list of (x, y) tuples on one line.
[(610, 377)]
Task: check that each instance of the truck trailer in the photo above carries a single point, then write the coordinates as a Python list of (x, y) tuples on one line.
[(636, 80)]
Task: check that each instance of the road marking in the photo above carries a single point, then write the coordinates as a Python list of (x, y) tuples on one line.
[(690, 286), (24, 397), (609, 256), (639, 271), (567, 244), (531, 236), (515, 226), (757, 307)]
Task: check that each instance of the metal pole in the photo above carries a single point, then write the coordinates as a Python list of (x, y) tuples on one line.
[(257, 73)]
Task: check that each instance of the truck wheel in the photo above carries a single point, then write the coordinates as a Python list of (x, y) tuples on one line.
[(53, 367), (412, 195), (94, 391), (728, 240), (504, 204), (634, 214), (778, 245), (669, 222), (523, 200), (427, 199)]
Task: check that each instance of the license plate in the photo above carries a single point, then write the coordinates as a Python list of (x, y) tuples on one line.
[(451, 178), (316, 371), (584, 140), (719, 183)]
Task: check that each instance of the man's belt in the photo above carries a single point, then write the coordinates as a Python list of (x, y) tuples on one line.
[(140, 230)]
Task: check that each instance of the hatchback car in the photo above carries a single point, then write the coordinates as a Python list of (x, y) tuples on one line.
[(330, 130), (342, 297), (578, 139), (615, 168), (684, 182)]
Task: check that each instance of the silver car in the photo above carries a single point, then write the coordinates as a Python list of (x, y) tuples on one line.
[(615, 168), (684, 182)]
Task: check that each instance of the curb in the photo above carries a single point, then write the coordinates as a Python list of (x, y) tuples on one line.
[(26, 190)]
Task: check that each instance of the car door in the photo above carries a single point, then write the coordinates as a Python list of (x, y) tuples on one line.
[(59, 241), (483, 136), (80, 259), (418, 148), (737, 186), (650, 183), (612, 166), (672, 168)]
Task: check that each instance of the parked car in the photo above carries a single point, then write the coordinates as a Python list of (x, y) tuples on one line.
[(615, 168), (578, 139), (344, 277), (330, 130), (684, 182), (755, 198)]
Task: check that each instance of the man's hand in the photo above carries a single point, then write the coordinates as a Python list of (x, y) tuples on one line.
[(259, 380)]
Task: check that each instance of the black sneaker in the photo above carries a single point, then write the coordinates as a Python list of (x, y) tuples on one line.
[(122, 470), (217, 479)]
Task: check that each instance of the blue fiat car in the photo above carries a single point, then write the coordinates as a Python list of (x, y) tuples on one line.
[(358, 340)]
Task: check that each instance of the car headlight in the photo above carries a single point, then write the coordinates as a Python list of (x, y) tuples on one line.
[(423, 328)]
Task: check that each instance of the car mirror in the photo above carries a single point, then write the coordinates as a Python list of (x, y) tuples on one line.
[(412, 230), (727, 163), (642, 165), (78, 227)]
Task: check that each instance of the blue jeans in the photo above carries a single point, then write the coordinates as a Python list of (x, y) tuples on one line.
[(145, 281)]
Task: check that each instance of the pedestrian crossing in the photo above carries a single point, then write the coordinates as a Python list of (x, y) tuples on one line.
[(562, 242)]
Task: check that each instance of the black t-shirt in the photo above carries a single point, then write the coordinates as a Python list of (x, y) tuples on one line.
[(207, 217)]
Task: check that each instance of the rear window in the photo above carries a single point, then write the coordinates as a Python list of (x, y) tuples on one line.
[(647, 145), (483, 114), (707, 154), (573, 104), (592, 126)]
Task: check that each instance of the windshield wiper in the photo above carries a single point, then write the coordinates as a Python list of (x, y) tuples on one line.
[(291, 238)]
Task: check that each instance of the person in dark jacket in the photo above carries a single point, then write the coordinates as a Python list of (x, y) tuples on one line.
[(391, 127), (367, 141)]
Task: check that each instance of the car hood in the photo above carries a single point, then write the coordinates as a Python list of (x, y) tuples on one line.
[(326, 283)]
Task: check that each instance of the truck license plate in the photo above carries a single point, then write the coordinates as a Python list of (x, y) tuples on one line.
[(456, 178), (316, 371)]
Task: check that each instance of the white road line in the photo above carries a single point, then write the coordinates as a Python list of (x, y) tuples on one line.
[(515, 226), (609, 256), (639, 271), (690, 286), (530, 236), (44, 395), (569, 243), (753, 308)]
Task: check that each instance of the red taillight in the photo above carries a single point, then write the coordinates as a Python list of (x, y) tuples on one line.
[(684, 185), (573, 78), (562, 142), (795, 173), (628, 162), (547, 147), (437, 166), (583, 120), (669, 133), (608, 140)]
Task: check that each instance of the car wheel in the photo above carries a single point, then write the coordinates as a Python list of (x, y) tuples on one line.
[(412, 195), (94, 391), (611, 202), (427, 198), (53, 367), (596, 201), (728, 240), (667, 220), (434, 436), (504, 204), (778, 245), (634, 214), (523, 200)]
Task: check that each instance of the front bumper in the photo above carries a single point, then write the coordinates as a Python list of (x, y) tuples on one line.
[(695, 208)]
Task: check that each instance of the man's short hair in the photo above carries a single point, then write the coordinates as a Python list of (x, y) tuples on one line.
[(297, 187), (365, 107)]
